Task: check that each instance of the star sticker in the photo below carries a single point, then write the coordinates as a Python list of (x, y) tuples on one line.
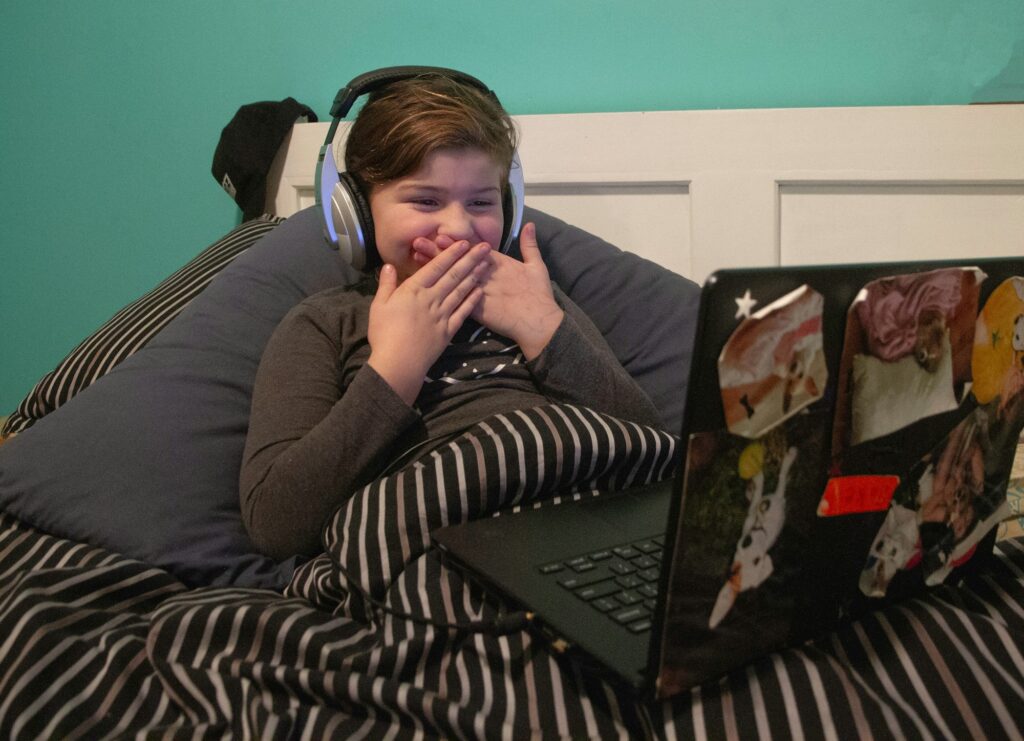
[(744, 304)]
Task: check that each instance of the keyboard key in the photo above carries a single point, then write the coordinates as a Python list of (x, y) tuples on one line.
[(626, 551), (628, 582), (650, 575), (551, 568), (640, 626), (606, 604), (644, 562), (621, 567), (582, 566), (601, 589), (630, 614), (581, 580), (628, 598), (647, 546), (648, 590), (600, 555)]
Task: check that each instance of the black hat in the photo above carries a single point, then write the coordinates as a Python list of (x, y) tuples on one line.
[(247, 147)]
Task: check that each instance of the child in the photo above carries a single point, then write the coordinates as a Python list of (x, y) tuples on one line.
[(448, 332)]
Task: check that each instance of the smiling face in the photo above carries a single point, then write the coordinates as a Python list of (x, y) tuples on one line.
[(456, 193)]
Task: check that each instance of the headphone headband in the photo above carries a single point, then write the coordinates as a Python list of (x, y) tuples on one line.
[(378, 78)]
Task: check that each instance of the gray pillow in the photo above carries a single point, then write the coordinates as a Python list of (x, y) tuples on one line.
[(145, 461), (647, 314)]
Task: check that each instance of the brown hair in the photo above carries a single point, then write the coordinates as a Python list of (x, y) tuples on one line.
[(404, 122)]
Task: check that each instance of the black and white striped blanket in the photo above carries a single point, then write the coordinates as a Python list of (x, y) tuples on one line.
[(96, 645)]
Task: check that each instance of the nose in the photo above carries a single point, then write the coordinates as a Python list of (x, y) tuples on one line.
[(456, 222)]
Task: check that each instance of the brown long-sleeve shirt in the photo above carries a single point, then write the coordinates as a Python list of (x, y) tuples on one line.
[(325, 423)]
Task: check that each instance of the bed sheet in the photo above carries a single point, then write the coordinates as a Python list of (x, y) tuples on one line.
[(98, 645)]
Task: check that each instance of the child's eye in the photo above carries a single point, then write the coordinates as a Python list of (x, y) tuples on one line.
[(426, 202)]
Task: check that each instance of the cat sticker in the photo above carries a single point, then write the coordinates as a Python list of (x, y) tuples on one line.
[(773, 364)]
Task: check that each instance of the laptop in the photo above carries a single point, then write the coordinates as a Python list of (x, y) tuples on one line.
[(848, 436)]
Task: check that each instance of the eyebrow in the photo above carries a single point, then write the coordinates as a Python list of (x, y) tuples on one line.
[(424, 188)]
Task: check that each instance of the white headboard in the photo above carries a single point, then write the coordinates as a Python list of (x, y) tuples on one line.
[(699, 190)]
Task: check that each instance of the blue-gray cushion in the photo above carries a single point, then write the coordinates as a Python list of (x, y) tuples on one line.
[(647, 314), (145, 461)]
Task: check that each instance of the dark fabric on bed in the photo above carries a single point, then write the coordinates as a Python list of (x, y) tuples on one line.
[(94, 644)]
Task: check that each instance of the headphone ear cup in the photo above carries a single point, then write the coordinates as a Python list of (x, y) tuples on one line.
[(507, 208), (366, 249), (512, 204)]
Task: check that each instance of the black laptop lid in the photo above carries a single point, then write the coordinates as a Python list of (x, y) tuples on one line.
[(849, 433)]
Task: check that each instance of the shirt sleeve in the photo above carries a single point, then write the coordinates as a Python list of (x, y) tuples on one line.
[(312, 441), (579, 367)]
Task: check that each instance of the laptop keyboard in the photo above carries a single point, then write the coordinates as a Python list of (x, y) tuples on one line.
[(619, 582)]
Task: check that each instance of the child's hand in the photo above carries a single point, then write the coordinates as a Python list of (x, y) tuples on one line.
[(411, 324), (425, 250), (517, 299)]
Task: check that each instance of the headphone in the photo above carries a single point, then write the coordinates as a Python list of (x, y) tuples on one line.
[(345, 208)]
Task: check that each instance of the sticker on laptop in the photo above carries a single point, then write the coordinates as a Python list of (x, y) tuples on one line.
[(954, 500), (854, 495), (906, 353), (896, 548), (737, 573), (773, 364), (956, 493), (997, 362), (766, 514)]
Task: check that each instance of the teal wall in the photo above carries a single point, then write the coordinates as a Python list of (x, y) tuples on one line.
[(111, 110)]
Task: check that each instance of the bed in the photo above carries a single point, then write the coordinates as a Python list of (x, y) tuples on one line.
[(131, 602)]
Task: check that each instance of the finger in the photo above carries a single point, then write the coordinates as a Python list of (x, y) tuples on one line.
[(387, 283), (467, 265), (464, 288), (465, 309), (443, 242), (434, 270), (487, 266), (458, 271), (528, 243), (424, 250)]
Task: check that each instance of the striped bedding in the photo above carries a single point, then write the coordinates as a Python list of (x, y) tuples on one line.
[(96, 645)]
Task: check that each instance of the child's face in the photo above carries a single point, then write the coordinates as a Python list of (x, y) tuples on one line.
[(456, 193)]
